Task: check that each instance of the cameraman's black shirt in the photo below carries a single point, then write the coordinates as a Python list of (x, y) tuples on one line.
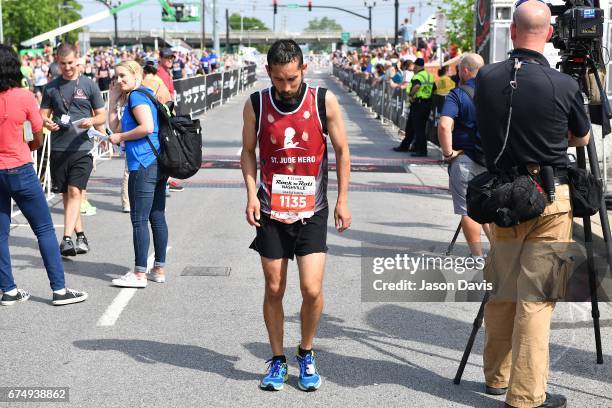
[(546, 104)]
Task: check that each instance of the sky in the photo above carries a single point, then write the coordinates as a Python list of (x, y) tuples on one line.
[(148, 14)]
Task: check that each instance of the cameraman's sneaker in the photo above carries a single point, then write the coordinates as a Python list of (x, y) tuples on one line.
[(174, 186), (71, 296), (82, 246), (309, 379), (276, 377), (20, 296), (130, 280), (67, 247)]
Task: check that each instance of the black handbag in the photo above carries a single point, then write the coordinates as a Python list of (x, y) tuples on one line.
[(503, 199), (585, 192)]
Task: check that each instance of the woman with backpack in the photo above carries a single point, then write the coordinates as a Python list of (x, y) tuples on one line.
[(133, 118)]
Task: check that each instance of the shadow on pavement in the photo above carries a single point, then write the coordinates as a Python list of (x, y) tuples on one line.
[(351, 372), (400, 241), (415, 225), (179, 355), (418, 326), (77, 266)]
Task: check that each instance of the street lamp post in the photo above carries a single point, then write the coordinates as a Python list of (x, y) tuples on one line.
[(203, 17), (369, 5), (110, 6), (396, 22)]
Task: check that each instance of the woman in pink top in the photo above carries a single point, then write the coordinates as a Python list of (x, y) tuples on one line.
[(18, 181)]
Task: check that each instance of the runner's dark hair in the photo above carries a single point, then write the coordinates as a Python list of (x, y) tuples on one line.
[(10, 69), (283, 52)]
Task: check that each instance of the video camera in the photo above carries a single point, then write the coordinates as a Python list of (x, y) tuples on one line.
[(579, 28), (578, 35)]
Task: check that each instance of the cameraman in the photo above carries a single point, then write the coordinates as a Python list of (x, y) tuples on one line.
[(546, 115)]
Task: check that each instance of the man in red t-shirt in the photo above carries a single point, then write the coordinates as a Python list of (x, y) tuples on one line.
[(164, 69)]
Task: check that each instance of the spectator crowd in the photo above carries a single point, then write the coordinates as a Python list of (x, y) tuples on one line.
[(99, 65)]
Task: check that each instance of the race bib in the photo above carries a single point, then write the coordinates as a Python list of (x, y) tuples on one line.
[(293, 197)]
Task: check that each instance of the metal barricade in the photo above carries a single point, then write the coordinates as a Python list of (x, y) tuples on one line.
[(40, 159)]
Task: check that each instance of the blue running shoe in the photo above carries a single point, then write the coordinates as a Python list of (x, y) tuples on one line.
[(275, 378), (309, 380)]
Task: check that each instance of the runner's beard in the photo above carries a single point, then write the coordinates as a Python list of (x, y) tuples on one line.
[(292, 98)]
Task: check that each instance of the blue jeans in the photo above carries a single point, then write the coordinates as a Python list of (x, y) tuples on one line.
[(147, 192), (22, 185)]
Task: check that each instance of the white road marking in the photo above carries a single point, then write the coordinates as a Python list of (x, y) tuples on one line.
[(112, 313)]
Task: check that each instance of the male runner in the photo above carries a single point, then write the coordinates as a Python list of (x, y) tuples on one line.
[(290, 122)]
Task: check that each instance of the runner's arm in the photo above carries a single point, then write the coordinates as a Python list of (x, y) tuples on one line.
[(337, 135), (248, 163)]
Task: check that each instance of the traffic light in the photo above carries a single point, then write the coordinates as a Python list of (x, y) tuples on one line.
[(309, 5), (275, 8)]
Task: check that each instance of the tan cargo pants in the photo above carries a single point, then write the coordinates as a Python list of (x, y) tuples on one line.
[(523, 262)]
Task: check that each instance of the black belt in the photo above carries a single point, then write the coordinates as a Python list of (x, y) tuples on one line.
[(560, 174)]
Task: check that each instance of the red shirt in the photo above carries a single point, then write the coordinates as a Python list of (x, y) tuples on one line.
[(164, 74), (16, 106)]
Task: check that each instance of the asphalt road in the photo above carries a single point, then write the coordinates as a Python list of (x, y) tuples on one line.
[(200, 340)]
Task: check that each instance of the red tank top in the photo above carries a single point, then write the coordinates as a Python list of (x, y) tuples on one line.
[(292, 158)]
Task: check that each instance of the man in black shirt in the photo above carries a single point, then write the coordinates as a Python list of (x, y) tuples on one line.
[(71, 105), (547, 116)]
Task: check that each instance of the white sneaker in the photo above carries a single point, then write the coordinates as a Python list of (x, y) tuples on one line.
[(130, 280), (156, 277)]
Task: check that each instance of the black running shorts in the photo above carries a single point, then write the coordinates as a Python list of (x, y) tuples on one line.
[(277, 240), (70, 169)]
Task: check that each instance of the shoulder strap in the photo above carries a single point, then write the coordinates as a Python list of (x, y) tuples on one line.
[(470, 92), (467, 89), (516, 65), (156, 102)]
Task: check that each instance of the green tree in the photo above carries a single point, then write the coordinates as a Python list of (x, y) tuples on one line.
[(26, 19), (248, 23), (324, 24), (460, 23)]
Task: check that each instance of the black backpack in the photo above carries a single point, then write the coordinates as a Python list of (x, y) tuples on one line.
[(180, 139)]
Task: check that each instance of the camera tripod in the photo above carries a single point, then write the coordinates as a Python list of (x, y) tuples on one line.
[(576, 71)]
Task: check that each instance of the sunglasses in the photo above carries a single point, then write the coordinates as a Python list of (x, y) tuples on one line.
[(519, 2)]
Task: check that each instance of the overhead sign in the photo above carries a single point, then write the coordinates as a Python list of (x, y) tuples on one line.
[(346, 36)]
